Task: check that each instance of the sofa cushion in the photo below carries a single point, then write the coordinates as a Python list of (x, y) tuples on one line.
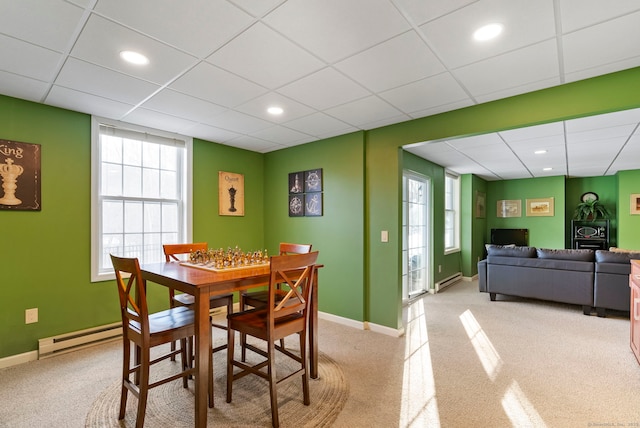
[(604, 256), (576, 255), (509, 251)]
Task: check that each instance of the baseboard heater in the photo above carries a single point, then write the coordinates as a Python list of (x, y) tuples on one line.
[(56, 345), (448, 281)]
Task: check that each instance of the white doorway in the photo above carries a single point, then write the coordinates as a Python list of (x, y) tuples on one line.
[(416, 260)]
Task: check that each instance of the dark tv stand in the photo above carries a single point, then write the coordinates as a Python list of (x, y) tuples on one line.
[(592, 235)]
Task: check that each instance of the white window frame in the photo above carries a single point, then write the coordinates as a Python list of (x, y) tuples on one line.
[(453, 210), (96, 220)]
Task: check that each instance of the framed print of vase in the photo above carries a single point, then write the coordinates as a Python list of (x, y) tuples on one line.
[(230, 194)]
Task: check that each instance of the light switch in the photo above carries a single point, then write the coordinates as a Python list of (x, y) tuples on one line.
[(384, 236)]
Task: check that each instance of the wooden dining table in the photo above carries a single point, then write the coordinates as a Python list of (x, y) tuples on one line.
[(202, 283)]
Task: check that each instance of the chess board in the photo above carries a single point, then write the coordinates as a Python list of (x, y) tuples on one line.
[(211, 266)]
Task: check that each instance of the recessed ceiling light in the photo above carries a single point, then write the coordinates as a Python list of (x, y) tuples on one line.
[(134, 57), (540, 152), (275, 110), (547, 169), (488, 32)]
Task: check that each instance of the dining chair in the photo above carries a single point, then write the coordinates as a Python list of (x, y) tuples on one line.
[(258, 299), (273, 322), (171, 252), (147, 331)]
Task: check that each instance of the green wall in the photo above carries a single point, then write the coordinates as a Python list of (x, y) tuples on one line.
[(628, 224), (45, 255), (607, 190), (362, 197), (339, 233), (602, 94), (547, 231)]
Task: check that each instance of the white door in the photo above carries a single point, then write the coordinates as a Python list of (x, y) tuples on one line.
[(415, 238)]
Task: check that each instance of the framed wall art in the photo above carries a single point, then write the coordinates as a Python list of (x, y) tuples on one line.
[(634, 204), (230, 194), (509, 208), (481, 205), (20, 175), (542, 207), (305, 193)]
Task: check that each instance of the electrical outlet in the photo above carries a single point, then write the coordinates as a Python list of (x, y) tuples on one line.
[(384, 236), (31, 315), (439, 268)]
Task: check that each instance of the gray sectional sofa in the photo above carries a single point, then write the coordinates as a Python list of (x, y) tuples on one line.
[(592, 279)]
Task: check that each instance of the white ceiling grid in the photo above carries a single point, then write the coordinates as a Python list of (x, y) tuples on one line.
[(334, 66)]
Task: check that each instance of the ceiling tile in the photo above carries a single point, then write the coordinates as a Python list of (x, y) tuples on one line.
[(254, 144), (324, 89), (87, 103), (32, 61), (258, 108), (153, 119), (238, 122), (50, 24), (257, 8), (525, 23), (199, 29), (533, 132), (364, 111), (335, 29), (266, 58), (401, 60), (577, 14), (605, 43), (217, 86), (320, 124), (211, 133), (522, 67), (23, 87), (181, 105), (284, 136), (426, 94), (91, 79), (420, 11), (101, 42)]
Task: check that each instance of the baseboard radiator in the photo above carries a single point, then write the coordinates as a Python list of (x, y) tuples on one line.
[(56, 345), (441, 285)]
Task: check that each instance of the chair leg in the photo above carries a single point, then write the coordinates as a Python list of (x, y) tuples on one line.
[(126, 363), (230, 349), (145, 359), (185, 357), (272, 384), (305, 373), (210, 377)]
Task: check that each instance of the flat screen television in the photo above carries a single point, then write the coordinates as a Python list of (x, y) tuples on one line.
[(519, 237)]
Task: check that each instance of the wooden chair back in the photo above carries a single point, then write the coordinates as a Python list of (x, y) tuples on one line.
[(288, 248), (296, 271), (171, 251), (132, 293)]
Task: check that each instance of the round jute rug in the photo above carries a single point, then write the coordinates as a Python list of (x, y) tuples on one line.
[(170, 405)]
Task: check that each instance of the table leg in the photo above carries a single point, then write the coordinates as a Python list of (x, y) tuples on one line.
[(313, 328), (202, 355)]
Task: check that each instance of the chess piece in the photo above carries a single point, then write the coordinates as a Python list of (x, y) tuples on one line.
[(10, 173)]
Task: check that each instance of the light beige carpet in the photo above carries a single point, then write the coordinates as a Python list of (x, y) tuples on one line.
[(170, 405)]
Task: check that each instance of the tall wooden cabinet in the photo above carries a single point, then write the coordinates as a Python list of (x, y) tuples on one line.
[(634, 283)]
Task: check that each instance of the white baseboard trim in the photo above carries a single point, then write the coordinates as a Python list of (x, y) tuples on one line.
[(14, 360), (341, 320), (361, 325)]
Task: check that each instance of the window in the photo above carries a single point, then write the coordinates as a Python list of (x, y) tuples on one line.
[(140, 193), (451, 213), (416, 260)]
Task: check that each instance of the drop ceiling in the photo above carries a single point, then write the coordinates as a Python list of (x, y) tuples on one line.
[(334, 66)]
